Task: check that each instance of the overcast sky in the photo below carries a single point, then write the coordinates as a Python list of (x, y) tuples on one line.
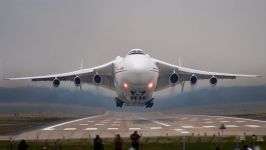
[(39, 37)]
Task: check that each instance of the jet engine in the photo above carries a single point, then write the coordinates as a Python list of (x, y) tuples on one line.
[(56, 82), (193, 79), (213, 80), (97, 79), (77, 81), (174, 78)]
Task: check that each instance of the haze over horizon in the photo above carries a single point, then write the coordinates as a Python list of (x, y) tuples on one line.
[(47, 37)]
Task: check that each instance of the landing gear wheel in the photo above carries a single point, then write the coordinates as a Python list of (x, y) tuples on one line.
[(149, 105), (119, 103)]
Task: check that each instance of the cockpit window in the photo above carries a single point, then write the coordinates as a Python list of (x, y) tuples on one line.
[(137, 51)]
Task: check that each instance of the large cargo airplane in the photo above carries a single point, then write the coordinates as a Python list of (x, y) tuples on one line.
[(135, 77)]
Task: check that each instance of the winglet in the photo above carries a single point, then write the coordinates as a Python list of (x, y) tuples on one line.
[(81, 65), (179, 62)]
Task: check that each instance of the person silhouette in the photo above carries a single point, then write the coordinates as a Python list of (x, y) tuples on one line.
[(23, 145), (98, 143), (135, 137), (118, 142)]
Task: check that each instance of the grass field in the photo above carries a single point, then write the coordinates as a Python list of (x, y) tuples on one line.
[(10, 124), (159, 143)]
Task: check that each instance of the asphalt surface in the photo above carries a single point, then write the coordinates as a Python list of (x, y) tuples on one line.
[(148, 125)]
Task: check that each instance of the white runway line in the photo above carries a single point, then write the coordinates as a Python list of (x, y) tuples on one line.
[(207, 119), (48, 129), (155, 128), (184, 132), (208, 126), (115, 124), (134, 128), (231, 126), (252, 126), (157, 122), (222, 117), (240, 121), (160, 123), (70, 129), (178, 129), (208, 122), (91, 129), (90, 121), (187, 127), (57, 125), (224, 121), (83, 124), (99, 124), (112, 128)]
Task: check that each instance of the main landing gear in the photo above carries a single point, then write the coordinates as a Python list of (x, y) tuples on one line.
[(119, 103), (149, 104)]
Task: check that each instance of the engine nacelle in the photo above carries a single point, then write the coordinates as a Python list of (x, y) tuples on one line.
[(193, 79), (56, 82), (77, 81), (213, 80), (97, 79), (174, 78)]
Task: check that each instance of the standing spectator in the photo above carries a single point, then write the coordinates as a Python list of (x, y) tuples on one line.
[(23, 145), (135, 137), (118, 142), (98, 143), (218, 148)]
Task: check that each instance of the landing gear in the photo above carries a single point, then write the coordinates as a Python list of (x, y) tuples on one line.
[(149, 104), (119, 103)]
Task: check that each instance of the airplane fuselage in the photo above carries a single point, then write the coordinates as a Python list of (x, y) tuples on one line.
[(135, 79)]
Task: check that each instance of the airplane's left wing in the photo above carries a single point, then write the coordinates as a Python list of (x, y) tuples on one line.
[(105, 72), (185, 74)]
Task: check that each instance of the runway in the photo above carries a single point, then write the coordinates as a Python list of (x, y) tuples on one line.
[(148, 125)]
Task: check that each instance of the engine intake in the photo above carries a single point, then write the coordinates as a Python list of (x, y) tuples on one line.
[(213, 80), (77, 80), (193, 79), (97, 79), (174, 78), (56, 82)]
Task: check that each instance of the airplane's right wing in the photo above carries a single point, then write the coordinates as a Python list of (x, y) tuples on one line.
[(100, 75)]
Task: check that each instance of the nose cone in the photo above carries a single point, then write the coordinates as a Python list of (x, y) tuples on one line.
[(139, 73)]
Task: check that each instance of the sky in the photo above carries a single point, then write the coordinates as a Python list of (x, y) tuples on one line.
[(39, 37)]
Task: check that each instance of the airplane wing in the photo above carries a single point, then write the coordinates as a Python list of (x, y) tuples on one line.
[(86, 76), (166, 69)]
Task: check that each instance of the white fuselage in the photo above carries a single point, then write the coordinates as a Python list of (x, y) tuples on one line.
[(135, 79)]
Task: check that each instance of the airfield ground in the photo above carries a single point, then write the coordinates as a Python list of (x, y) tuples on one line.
[(147, 124), (158, 130), (153, 143)]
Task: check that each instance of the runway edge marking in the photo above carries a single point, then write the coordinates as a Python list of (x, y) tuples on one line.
[(262, 121), (57, 125)]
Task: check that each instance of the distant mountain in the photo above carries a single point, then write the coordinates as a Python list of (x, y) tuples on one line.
[(219, 99)]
